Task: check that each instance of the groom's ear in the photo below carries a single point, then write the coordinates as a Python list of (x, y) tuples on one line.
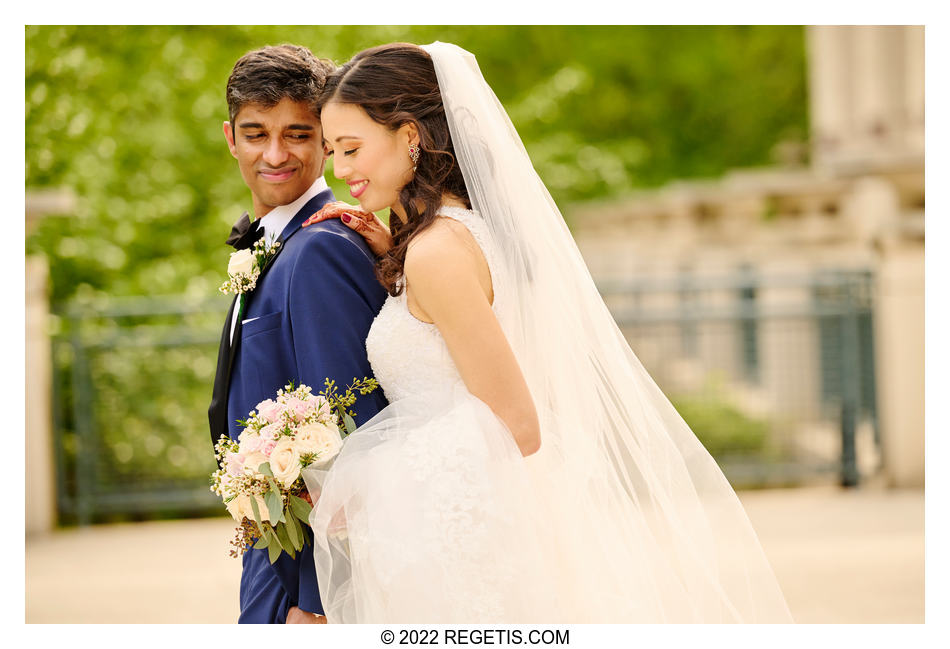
[(229, 136)]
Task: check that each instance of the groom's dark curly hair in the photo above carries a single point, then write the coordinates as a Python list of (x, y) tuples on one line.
[(267, 75)]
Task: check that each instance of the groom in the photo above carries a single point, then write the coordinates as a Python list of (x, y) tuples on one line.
[(308, 316)]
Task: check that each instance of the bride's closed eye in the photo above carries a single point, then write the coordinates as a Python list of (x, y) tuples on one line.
[(329, 152)]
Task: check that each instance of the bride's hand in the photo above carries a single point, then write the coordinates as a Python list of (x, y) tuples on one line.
[(366, 224)]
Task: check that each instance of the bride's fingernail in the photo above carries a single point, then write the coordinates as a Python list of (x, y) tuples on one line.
[(346, 218)]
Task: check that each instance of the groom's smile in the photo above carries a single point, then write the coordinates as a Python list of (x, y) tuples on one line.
[(279, 149), (277, 175)]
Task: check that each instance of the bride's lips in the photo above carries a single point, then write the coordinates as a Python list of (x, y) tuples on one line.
[(357, 187), (277, 175)]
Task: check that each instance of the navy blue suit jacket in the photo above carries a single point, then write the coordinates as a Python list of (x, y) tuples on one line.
[(307, 320)]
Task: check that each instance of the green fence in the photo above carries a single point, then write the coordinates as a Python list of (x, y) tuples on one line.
[(773, 373), (132, 383)]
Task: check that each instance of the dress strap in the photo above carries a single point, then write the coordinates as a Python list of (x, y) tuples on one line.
[(474, 224)]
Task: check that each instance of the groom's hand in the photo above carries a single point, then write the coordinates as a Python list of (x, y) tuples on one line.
[(298, 616)]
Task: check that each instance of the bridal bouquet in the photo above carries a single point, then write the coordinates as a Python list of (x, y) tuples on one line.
[(259, 474)]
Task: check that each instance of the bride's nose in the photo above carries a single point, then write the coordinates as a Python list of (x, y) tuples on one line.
[(340, 169)]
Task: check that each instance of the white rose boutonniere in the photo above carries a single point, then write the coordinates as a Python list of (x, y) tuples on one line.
[(241, 262), (245, 266)]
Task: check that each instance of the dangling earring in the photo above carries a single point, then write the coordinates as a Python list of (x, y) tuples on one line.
[(414, 155)]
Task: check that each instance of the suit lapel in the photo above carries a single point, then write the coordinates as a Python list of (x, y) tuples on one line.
[(227, 350), (218, 410), (312, 207), (309, 209)]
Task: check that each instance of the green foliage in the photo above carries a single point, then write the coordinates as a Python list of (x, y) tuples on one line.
[(130, 118), (285, 535), (300, 507), (721, 427), (342, 403)]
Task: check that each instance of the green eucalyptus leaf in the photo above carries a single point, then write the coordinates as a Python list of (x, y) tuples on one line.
[(292, 531), (301, 508), (274, 507), (273, 547), (301, 536), (284, 539), (349, 423), (264, 469), (257, 514), (302, 526)]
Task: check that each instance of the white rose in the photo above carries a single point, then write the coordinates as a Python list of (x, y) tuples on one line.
[(240, 508), (254, 460), (241, 262), (320, 439), (285, 462)]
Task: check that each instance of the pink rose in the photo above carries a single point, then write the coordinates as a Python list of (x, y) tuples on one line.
[(269, 410), (267, 446), (250, 443), (270, 431), (298, 408), (235, 463)]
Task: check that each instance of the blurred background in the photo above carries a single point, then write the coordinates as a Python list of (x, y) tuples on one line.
[(750, 201)]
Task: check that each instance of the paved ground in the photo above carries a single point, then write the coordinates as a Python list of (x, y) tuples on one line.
[(844, 556), (841, 557)]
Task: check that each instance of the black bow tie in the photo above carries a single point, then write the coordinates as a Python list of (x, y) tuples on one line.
[(243, 234)]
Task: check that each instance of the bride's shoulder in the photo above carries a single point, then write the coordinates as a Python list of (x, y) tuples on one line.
[(446, 246), (445, 237)]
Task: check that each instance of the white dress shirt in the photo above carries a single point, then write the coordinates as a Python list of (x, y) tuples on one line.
[(276, 220)]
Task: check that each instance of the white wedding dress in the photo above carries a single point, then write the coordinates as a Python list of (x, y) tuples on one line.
[(431, 514), (427, 513)]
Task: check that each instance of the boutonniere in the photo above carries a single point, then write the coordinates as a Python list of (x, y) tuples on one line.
[(245, 266)]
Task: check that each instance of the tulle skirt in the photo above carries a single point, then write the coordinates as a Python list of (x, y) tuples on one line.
[(431, 515)]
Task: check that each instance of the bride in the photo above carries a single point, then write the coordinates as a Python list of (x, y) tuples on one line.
[(527, 469)]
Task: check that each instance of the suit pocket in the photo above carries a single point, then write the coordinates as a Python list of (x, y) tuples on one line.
[(261, 325)]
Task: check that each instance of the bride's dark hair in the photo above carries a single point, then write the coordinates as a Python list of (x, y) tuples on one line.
[(396, 84)]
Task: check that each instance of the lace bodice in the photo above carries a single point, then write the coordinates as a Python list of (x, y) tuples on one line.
[(409, 356)]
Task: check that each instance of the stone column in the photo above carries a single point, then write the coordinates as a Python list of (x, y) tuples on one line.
[(899, 319), (830, 80), (40, 472), (40, 475), (899, 351)]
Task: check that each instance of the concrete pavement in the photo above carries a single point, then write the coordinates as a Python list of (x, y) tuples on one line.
[(844, 556), (841, 557)]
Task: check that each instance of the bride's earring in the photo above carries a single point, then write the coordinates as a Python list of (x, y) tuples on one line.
[(414, 155)]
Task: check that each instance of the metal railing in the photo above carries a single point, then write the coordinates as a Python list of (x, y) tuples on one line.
[(132, 382), (773, 373), (791, 354)]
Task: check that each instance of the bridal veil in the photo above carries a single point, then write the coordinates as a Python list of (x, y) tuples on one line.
[(640, 523)]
